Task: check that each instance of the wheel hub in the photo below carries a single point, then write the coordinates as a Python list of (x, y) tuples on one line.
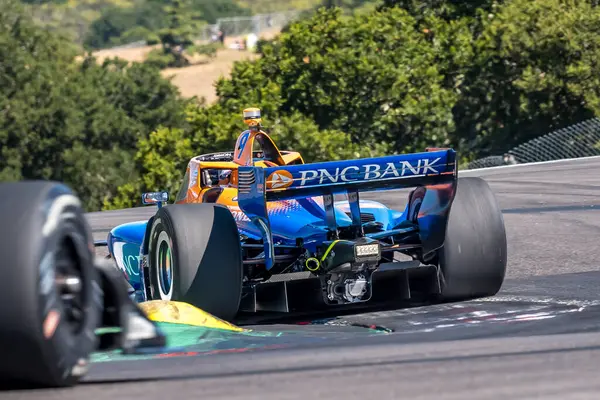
[(164, 266), (69, 283)]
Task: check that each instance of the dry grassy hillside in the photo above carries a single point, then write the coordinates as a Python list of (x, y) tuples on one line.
[(195, 80)]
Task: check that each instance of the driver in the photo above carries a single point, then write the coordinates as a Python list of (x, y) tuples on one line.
[(225, 178)]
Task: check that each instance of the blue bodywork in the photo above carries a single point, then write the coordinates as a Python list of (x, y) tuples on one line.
[(304, 206), (124, 241)]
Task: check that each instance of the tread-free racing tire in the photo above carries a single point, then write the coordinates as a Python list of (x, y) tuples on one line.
[(196, 247), (474, 256), (47, 323)]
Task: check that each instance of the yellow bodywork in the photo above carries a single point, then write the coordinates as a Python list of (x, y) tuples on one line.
[(175, 312)]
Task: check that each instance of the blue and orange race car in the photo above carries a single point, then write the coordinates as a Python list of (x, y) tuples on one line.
[(257, 229)]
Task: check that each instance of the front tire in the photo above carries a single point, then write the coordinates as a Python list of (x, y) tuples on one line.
[(49, 309), (195, 256), (474, 256)]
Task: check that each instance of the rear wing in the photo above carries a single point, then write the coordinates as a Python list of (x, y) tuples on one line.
[(369, 174), (257, 185)]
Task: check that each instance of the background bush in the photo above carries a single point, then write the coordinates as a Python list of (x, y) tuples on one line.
[(74, 121)]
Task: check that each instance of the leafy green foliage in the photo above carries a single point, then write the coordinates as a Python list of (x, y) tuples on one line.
[(119, 25), (372, 76), (178, 36), (71, 17), (160, 59), (531, 72), (77, 122), (447, 9), (212, 10), (43, 1), (99, 24)]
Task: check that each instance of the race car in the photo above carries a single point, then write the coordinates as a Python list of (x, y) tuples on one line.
[(58, 302), (257, 229)]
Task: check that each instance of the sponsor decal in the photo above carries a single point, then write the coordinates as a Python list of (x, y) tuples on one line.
[(365, 172), (127, 257), (280, 180), (243, 141), (193, 176), (220, 155), (238, 214)]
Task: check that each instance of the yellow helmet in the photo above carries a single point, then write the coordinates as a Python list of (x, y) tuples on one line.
[(252, 116)]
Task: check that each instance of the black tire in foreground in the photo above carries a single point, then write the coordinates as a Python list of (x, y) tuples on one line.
[(48, 306), (473, 259), (195, 257)]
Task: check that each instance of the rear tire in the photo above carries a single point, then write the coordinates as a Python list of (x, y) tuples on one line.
[(473, 259), (44, 339), (195, 256)]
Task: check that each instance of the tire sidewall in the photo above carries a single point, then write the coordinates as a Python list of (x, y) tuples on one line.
[(162, 230), (67, 352), (466, 275), (206, 256)]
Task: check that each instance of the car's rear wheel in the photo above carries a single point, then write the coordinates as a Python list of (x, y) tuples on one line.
[(49, 310), (194, 256), (474, 256)]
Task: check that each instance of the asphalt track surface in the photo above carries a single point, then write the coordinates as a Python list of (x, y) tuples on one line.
[(539, 338)]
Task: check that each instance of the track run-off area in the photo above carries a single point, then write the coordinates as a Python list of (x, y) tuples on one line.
[(538, 338)]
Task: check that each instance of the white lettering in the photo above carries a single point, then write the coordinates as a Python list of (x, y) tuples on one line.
[(371, 172), (374, 171), (305, 176), (390, 169), (406, 165), (345, 171), (332, 178), (427, 165)]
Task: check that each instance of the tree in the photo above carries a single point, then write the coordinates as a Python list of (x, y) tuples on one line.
[(118, 22), (77, 122), (521, 68), (447, 9), (372, 76), (533, 71), (183, 24)]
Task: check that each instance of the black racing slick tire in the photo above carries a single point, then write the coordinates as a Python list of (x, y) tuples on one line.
[(474, 256), (49, 309), (195, 256)]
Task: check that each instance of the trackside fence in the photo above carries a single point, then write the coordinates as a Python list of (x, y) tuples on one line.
[(235, 26), (257, 24), (575, 141)]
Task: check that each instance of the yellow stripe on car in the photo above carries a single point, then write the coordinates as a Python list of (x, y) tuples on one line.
[(175, 312), (329, 250)]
